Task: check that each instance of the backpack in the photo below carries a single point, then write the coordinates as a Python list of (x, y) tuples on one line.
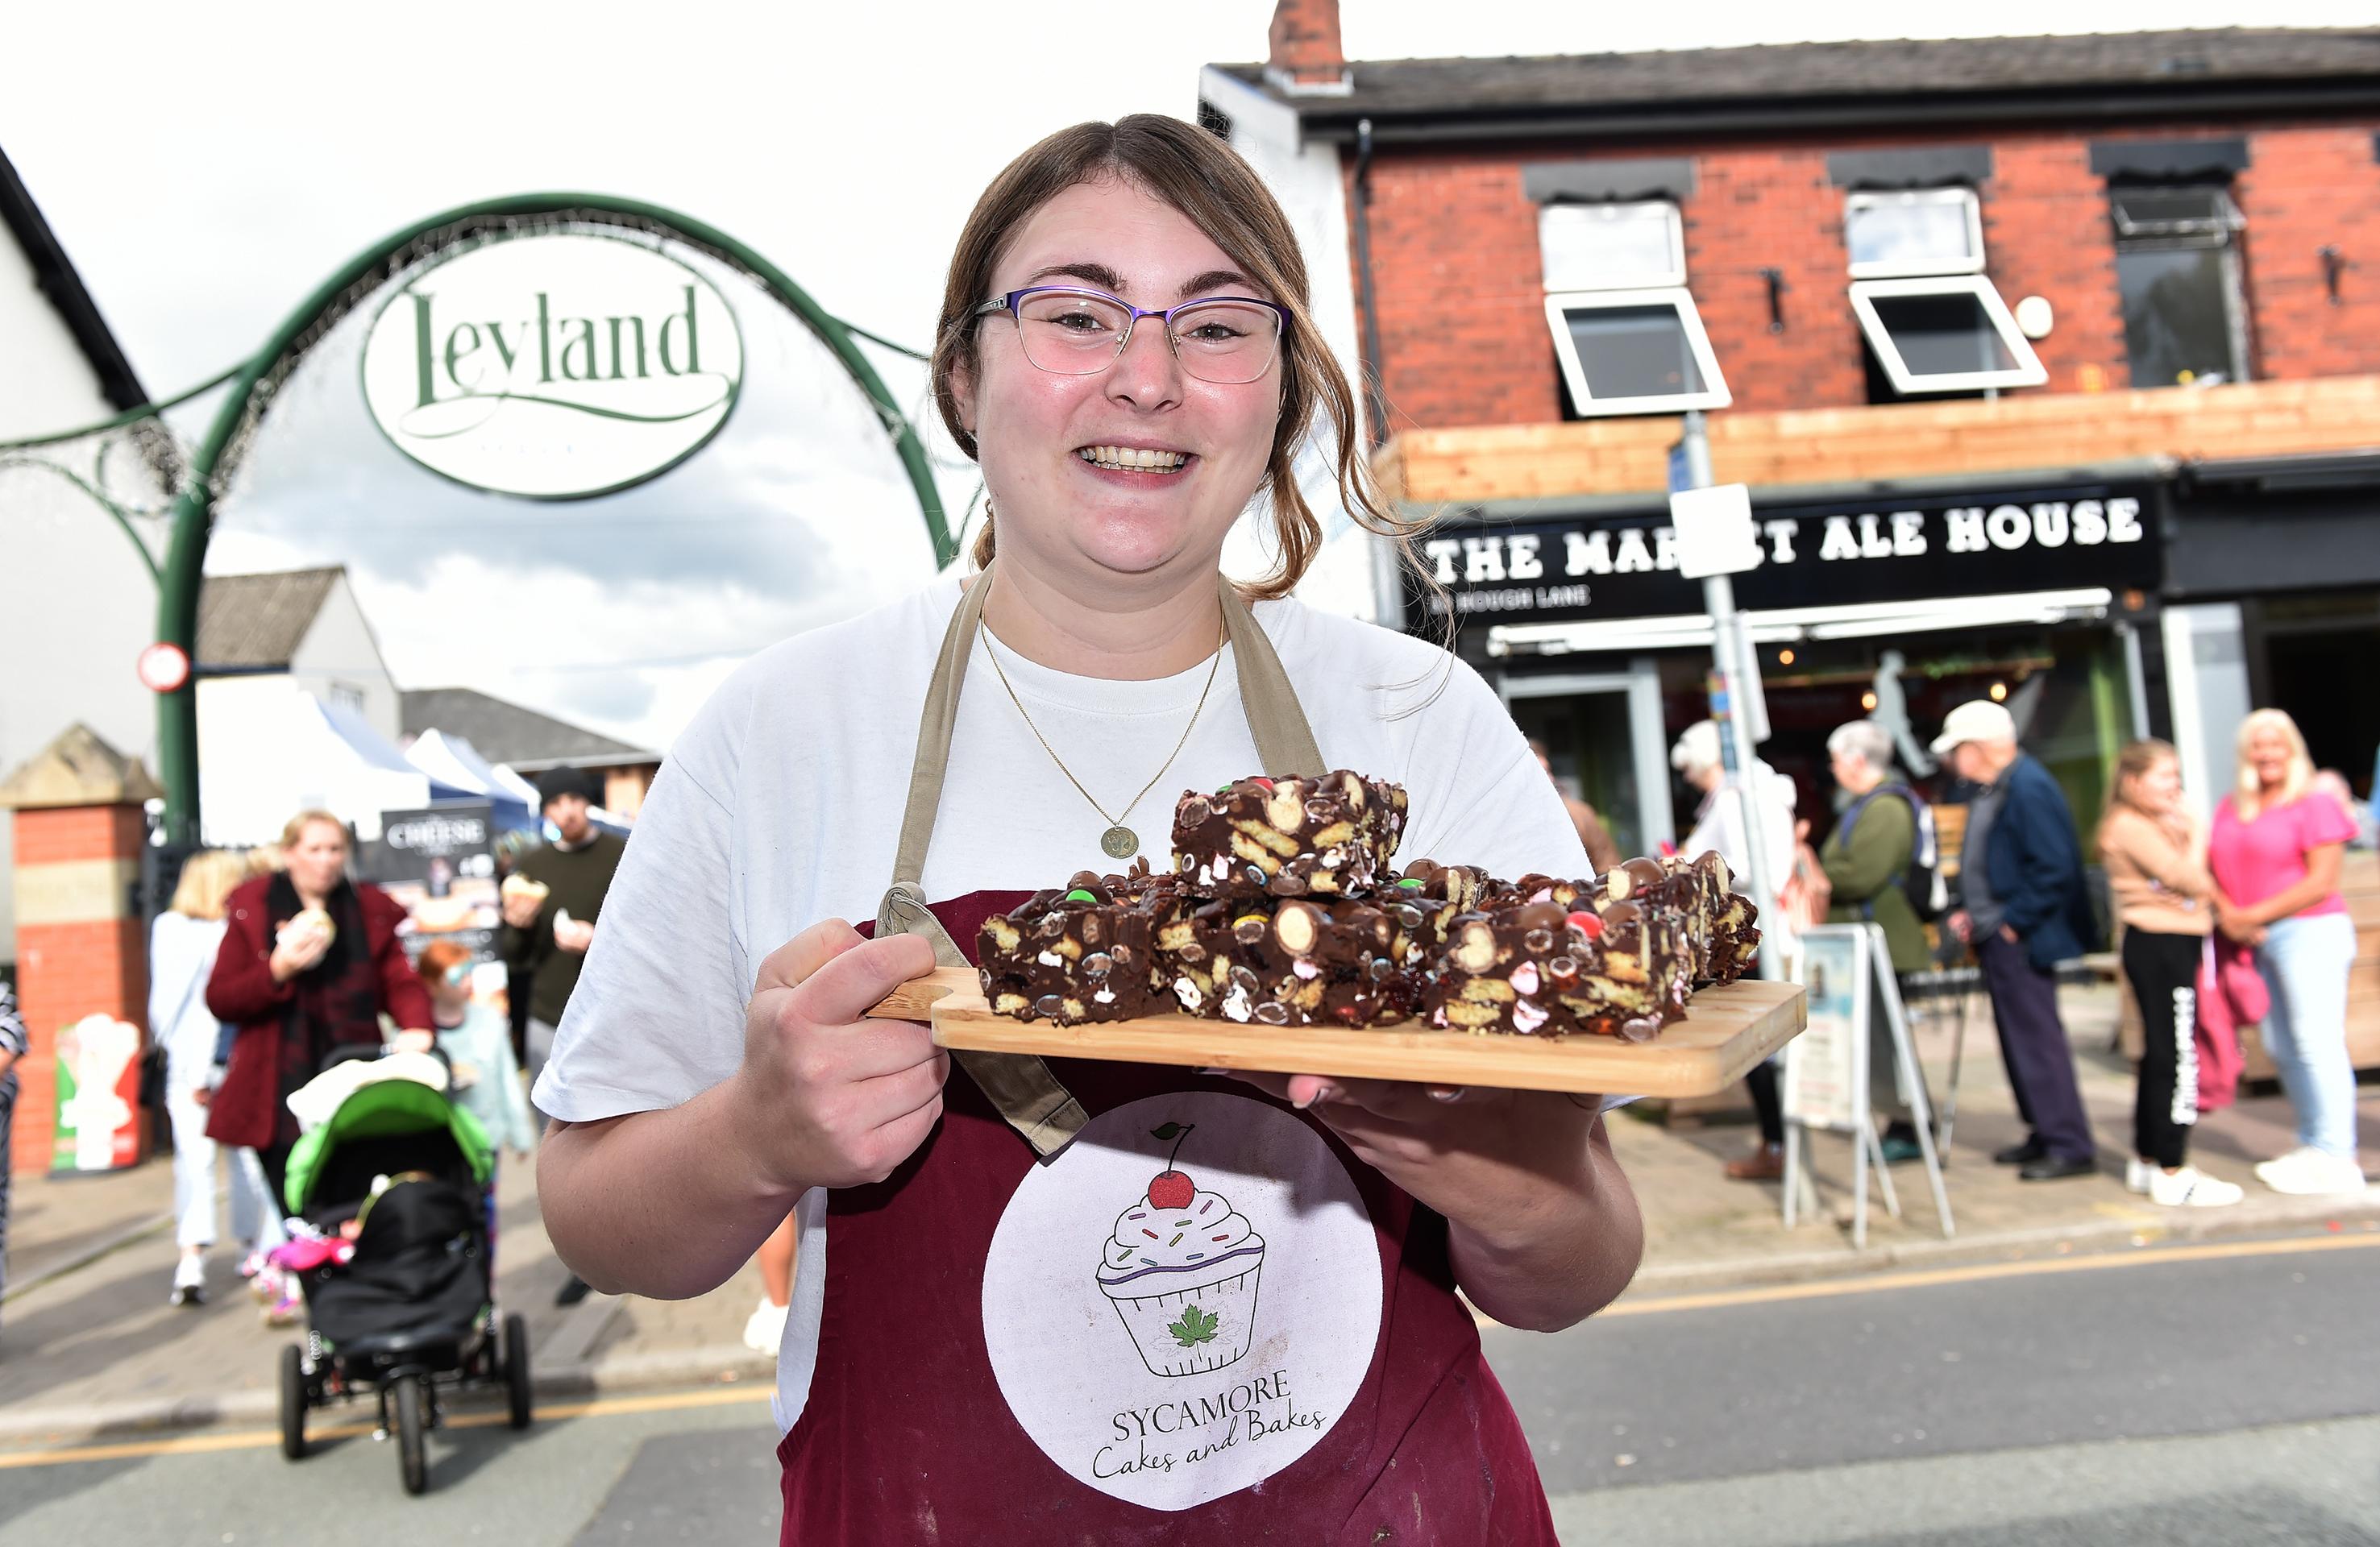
[(1922, 882)]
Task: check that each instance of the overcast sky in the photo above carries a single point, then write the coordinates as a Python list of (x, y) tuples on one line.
[(207, 165)]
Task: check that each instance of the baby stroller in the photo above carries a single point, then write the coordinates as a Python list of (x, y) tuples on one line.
[(399, 1171)]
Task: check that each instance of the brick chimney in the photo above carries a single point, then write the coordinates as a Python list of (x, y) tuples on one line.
[(1305, 56)]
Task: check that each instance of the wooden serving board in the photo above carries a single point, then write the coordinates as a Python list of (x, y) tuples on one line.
[(1726, 1031)]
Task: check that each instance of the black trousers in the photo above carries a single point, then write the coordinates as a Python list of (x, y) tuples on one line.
[(2032, 1045), (275, 1159), (1766, 1102), (2163, 971)]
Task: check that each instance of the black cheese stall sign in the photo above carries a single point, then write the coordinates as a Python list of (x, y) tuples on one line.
[(1626, 566)]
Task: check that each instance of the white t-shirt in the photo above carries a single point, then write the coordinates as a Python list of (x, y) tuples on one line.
[(781, 806)]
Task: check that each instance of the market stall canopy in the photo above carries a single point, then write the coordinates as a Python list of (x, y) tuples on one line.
[(269, 749), (456, 761)]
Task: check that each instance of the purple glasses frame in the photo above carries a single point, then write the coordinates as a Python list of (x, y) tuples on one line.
[(1008, 304)]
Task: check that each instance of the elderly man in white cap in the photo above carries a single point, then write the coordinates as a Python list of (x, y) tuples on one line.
[(2023, 910), (1720, 824), (1718, 820)]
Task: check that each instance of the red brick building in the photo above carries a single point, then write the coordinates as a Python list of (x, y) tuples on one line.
[(2053, 365)]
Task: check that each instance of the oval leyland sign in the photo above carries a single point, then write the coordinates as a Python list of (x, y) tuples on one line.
[(554, 365)]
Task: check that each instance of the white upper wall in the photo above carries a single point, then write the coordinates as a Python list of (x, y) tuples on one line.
[(78, 603), (1348, 576), (339, 662), (45, 383)]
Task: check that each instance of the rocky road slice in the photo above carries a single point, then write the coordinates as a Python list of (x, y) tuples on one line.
[(1332, 836)]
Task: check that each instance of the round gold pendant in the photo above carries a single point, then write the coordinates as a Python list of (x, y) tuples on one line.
[(1119, 842)]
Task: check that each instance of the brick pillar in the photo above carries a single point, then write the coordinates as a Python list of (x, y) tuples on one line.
[(77, 806)]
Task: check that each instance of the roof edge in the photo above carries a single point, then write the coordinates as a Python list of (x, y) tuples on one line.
[(56, 276), (1336, 120)]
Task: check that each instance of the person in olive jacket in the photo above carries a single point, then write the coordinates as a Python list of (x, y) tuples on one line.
[(1875, 842), (1867, 860)]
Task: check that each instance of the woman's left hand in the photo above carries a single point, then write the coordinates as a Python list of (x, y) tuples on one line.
[(1542, 1227), (2236, 924)]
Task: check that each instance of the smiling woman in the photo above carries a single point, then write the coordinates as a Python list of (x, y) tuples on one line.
[(1124, 348)]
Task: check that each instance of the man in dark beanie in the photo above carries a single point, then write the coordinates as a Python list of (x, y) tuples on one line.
[(552, 901)]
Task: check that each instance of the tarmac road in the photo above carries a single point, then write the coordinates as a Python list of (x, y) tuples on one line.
[(2186, 1397)]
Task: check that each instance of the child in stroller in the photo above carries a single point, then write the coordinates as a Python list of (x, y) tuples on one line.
[(386, 1187)]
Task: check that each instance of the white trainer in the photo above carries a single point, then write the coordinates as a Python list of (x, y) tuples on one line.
[(190, 1282), (2190, 1189), (2137, 1173), (765, 1331), (2307, 1172)]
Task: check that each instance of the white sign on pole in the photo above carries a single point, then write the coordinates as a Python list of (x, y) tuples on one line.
[(552, 366), (1715, 531)]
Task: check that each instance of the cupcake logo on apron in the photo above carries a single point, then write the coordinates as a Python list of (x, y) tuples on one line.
[(1182, 1270), (1159, 1376)]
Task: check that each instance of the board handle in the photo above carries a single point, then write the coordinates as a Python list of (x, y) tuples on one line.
[(915, 999)]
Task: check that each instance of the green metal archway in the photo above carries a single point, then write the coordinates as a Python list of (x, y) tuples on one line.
[(255, 383)]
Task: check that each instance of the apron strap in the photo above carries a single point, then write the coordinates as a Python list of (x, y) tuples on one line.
[(1284, 740), (1019, 1085)]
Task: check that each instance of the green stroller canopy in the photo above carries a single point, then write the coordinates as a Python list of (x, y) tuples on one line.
[(383, 1109)]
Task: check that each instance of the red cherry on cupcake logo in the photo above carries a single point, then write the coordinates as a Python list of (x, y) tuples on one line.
[(1171, 1189)]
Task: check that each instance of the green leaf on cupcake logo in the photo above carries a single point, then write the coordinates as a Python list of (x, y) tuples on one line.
[(1196, 1326)]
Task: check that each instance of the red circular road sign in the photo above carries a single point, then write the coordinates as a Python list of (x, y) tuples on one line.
[(163, 668)]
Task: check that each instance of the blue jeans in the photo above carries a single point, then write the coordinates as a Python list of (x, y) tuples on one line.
[(2305, 961)]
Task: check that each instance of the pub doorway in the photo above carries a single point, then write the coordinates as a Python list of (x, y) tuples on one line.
[(1603, 734)]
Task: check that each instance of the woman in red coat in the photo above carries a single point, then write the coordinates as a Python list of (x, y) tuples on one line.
[(310, 962)]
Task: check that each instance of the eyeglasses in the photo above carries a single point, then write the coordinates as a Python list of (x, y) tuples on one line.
[(1069, 332)]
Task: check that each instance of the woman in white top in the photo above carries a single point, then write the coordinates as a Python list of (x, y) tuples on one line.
[(1125, 348), (183, 944)]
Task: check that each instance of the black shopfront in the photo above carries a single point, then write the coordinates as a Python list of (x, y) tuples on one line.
[(1892, 601)]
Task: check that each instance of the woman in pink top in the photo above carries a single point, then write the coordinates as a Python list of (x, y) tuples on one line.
[(2275, 857)]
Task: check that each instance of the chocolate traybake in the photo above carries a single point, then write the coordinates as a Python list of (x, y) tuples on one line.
[(1286, 962), (1282, 910), (1541, 969)]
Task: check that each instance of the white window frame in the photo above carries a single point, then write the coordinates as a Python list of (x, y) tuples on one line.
[(2026, 372), (2217, 231), (1974, 264), (1675, 275), (2219, 234), (1562, 302)]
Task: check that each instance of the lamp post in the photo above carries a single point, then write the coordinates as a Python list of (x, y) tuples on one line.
[(1714, 541)]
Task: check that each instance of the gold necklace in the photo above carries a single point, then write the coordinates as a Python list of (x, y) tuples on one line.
[(1119, 843)]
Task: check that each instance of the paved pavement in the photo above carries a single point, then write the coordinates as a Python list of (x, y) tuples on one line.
[(2191, 1396), (90, 1346)]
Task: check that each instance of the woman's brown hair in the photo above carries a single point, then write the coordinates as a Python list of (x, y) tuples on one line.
[(293, 831), (2136, 758), (1205, 179)]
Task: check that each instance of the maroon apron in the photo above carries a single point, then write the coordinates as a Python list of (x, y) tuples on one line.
[(1118, 1303)]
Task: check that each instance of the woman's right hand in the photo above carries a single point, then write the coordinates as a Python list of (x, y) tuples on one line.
[(294, 949), (829, 1098)]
